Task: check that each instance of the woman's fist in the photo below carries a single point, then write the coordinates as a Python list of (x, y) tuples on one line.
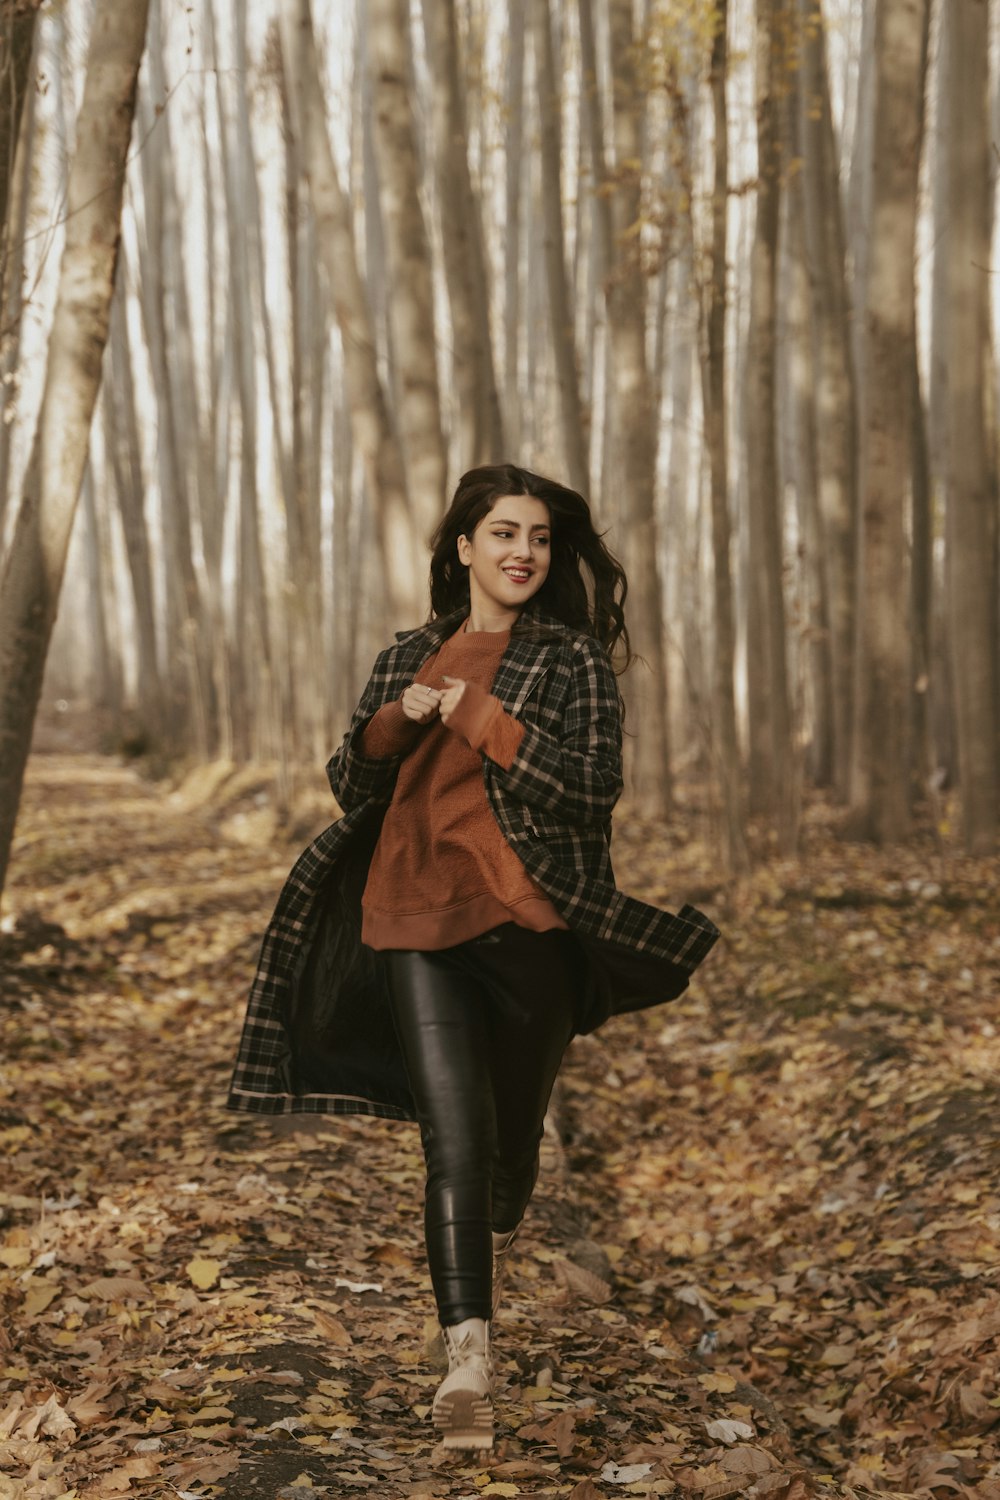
[(421, 703), (451, 697)]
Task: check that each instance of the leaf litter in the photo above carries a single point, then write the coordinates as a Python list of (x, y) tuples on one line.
[(762, 1258)]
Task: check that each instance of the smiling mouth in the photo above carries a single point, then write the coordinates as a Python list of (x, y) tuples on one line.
[(517, 575)]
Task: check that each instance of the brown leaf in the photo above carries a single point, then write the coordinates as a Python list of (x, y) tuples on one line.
[(207, 1469), (581, 1283), (585, 1490), (558, 1433), (88, 1406), (746, 1459), (49, 1420), (116, 1289), (332, 1328)]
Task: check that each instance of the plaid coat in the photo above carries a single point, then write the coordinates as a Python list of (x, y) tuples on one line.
[(318, 1035)]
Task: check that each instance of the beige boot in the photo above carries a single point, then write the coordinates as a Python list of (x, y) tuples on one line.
[(501, 1249), (463, 1406)]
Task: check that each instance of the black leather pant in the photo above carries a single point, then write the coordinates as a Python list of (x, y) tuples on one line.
[(483, 1027)]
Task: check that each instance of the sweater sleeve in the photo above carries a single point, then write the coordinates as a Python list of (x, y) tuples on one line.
[(389, 732), (484, 724)]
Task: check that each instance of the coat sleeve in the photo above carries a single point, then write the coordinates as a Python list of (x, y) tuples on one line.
[(354, 777), (575, 774)]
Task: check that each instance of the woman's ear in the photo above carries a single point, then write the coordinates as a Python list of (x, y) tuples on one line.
[(464, 550)]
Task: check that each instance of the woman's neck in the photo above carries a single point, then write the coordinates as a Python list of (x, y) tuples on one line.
[(481, 621)]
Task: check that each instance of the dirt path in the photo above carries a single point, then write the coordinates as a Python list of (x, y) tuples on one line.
[(792, 1173)]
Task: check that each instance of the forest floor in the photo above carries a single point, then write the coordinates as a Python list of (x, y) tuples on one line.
[(792, 1173)]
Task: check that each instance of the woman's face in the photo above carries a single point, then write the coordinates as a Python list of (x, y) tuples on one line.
[(507, 556)]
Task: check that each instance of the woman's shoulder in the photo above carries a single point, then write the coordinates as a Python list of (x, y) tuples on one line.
[(574, 641), (431, 631)]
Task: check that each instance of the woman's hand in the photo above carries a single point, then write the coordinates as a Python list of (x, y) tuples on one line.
[(421, 703), (451, 697)]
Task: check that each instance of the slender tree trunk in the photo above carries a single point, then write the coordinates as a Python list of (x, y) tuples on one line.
[(601, 240), (100, 593), (11, 297), (801, 406), (17, 34), (123, 461), (514, 187), (880, 803), (304, 581), (372, 430), (713, 306), (921, 583), (773, 765), (33, 572), (186, 719), (972, 490), (480, 437), (836, 421), (646, 686), (571, 415), (411, 288), (215, 427)]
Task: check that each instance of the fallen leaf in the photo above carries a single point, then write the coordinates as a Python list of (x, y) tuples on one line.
[(332, 1328), (203, 1272), (726, 1431)]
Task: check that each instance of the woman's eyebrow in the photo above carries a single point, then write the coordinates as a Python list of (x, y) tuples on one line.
[(499, 521)]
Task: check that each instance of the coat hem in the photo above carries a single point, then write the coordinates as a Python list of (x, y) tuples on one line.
[(313, 1104)]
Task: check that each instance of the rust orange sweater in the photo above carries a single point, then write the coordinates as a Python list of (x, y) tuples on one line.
[(442, 871)]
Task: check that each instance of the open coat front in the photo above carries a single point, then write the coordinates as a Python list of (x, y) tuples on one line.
[(318, 1035)]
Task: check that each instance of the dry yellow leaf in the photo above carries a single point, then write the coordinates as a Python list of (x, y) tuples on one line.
[(332, 1328), (39, 1296), (15, 1255), (203, 1272)]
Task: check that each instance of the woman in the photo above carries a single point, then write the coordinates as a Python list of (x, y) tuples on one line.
[(433, 953)]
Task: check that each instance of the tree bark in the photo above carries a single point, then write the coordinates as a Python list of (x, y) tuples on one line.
[(411, 286), (773, 770), (514, 187), (371, 427), (645, 688), (480, 437), (972, 492), (123, 453), (571, 415), (880, 804), (725, 747), (11, 291), (186, 720), (33, 572), (17, 35), (836, 420)]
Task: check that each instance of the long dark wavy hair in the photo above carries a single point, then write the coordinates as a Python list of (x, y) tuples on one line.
[(586, 584)]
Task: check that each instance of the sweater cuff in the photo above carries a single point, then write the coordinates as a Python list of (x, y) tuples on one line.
[(485, 725), (389, 732)]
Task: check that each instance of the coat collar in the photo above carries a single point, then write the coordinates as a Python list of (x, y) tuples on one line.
[(526, 660)]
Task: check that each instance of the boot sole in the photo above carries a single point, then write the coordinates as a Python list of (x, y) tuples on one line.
[(464, 1420)]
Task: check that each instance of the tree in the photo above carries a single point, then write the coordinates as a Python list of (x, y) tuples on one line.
[(773, 772), (571, 418), (969, 462), (480, 438), (836, 421), (725, 745), (33, 572), (371, 423), (411, 284), (17, 34), (880, 803), (634, 422)]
